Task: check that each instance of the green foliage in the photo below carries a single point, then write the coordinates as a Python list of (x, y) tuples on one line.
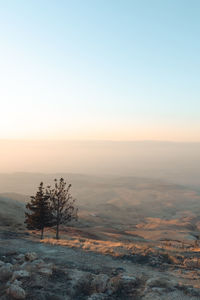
[(50, 207), (62, 204), (40, 215)]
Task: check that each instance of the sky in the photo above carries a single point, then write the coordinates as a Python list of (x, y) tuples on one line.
[(100, 70)]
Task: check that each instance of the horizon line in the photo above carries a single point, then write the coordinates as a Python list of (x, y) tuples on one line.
[(96, 140)]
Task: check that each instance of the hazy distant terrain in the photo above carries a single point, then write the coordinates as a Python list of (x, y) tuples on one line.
[(148, 208), (130, 186), (174, 162)]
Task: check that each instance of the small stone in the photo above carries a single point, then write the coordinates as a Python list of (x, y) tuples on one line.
[(5, 272), (14, 261), (99, 283), (158, 290), (24, 265), (8, 265), (129, 278), (128, 283), (192, 263), (160, 282), (20, 258), (38, 263), (45, 271), (37, 281), (20, 274), (31, 256), (16, 292), (98, 296), (1, 263), (113, 285), (17, 282)]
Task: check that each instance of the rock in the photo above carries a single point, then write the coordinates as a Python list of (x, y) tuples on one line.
[(17, 282), (124, 283), (14, 261), (1, 263), (5, 272), (45, 271), (192, 262), (27, 266), (37, 281), (49, 265), (24, 264), (20, 258), (51, 296), (97, 297), (80, 283), (161, 282), (189, 289), (99, 283), (20, 274), (158, 290), (113, 285), (38, 263), (157, 296), (129, 279), (117, 271), (31, 256), (16, 292), (127, 283), (8, 265)]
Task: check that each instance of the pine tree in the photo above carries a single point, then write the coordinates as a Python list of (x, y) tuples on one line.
[(40, 216), (62, 204)]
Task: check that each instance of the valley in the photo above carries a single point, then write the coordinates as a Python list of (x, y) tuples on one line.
[(146, 228)]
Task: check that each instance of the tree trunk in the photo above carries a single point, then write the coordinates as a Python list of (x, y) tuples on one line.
[(58, 220), (57, 231), (42, 233)]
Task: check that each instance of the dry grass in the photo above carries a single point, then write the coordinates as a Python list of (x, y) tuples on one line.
[(103, 247)]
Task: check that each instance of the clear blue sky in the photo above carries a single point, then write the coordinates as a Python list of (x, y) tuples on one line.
[(100, 69)]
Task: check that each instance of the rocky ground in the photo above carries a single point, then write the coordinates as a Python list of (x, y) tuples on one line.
[(33, 270)]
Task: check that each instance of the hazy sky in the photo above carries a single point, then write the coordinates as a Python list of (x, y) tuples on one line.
[(100, 69)]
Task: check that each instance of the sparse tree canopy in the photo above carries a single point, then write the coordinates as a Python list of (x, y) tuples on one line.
[(62, 204), (40, 216)]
